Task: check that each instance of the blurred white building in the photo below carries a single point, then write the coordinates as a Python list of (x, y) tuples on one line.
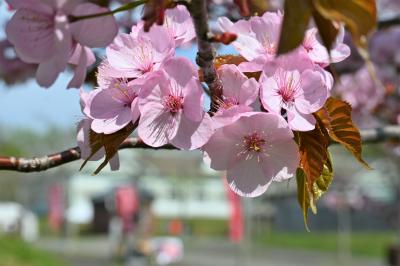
[(15, 219)]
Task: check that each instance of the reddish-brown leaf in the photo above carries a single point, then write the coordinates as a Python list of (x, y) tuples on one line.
[(313, 147), (336, 118), (358, 15), (110, 142), (251, 7)]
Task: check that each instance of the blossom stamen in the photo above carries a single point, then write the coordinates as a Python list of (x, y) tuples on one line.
[(173, 103), (254, 142)]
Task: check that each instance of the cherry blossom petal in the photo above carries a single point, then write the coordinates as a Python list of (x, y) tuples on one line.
[(247, 178), (276, 130), (47, 73), (104, 104), (111, 125), (300, 122), (179, 24), (80, 71), (269, 96), (222, 149), (135, 110), (228, 116), (239, 27), (249, 92), (283, 165), (159, 128), (36, 5), (96, 32), (314, 93), (257, 64), (180, 69), (232, 80), (32, 34), (193, 134), (80, 51), (193, 100)]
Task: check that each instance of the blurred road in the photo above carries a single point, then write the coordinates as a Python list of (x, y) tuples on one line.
[(95, 252)]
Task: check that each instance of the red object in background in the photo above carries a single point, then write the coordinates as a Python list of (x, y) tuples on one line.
[(236, 223), (175, 227), (127, 204), (55, 203)]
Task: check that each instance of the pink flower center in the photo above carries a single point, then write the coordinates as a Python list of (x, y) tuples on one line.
[(253, 142), (310, 41), (270, 48), (123, 93), (143, 55), (228, 103), (289, 87), (173, 103)]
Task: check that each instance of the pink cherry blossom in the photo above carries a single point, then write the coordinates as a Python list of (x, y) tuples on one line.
[(299, 93), (171, 108), (239, 94), (82, 136), (114, 107), (82, 57), (178, 24), (255, 150), (257, 38), (361, 91), (319, 54), (42, 34), (138, 54)]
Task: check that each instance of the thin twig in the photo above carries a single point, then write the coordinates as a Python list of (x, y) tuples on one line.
[(206, 53), (389, 22), (38, 164), (125, 7)]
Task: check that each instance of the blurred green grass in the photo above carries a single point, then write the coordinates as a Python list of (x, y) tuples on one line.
[(14, 252), (371, 244)]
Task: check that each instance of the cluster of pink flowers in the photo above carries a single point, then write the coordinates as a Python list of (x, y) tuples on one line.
[(251, 135), (42, 34), (142, 82)]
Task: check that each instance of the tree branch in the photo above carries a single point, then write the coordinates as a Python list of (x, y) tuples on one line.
[(388, 22), (38, 164), (375, 135), (206, 53)]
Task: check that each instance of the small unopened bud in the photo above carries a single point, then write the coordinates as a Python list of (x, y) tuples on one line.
[(225, 38)]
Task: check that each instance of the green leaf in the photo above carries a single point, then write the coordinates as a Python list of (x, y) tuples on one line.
[(326, 29), (295, 21), (322, 184), (303, 195), (306, 198)]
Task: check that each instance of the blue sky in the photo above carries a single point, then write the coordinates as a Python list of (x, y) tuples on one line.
[(27, 105)]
